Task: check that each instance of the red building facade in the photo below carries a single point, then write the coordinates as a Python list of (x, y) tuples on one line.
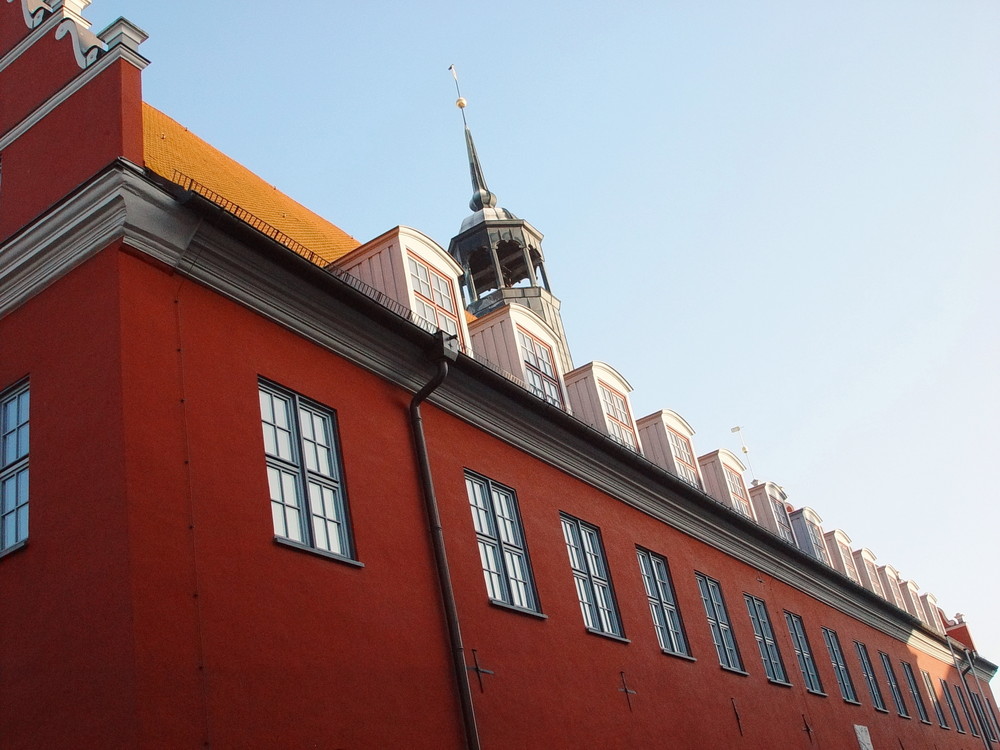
[(228, 542)]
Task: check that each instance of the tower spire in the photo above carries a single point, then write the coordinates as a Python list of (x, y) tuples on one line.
[(481, 195)]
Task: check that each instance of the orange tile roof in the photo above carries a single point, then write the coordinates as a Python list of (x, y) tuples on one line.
[(169, 149)]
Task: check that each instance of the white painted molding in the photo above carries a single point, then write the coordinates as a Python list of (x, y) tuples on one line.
[(44, 27), (34, 11), (119, 52), (121, 203), (86, 46)]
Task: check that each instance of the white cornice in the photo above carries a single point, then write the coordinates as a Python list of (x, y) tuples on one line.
[(275, 283)]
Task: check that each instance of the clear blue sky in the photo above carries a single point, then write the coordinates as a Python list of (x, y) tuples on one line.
[(782, 215)]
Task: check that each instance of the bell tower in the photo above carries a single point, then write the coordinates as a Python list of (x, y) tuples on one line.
[(501, 256)]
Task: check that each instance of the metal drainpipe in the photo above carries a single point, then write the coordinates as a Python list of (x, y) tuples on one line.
[(968, 693), (445, 351), (982, 715)]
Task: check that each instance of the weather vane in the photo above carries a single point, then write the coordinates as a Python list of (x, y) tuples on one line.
[(460, 102)]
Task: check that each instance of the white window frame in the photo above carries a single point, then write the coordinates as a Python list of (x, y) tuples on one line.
[(591, 577), (719, 624), (434, 296), (14, 438), (737, 492), (617, 416), (781, 519), (770, 655), (305, 476), (662, 602), (816, 539), (540, 372), (503, 551), (684, 460)]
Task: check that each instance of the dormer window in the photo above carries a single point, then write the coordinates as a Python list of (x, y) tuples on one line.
[(816, 541), (619, 419), (433, 298), (683, 457), (737, 492), (781, 519), (873, 577), (539, 368), (852, 570)]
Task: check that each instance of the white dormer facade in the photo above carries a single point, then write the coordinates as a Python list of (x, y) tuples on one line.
[(930, 607), (911, 600), (891, 585), (864, 561), (808, 528), (521, 343), (665, 437), (838, 546), (723, 475), (414, 271), (770, 503), (598, 395)]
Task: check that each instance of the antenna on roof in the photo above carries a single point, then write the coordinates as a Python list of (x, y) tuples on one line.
[(746, 451), (460, 102)]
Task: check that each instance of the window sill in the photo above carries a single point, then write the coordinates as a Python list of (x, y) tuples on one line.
[(852, 703), (318, 552), (14, 548), (676, 655), (781, 683), (924, 721), (818, 693), (734, 670), (881, 710), (905, 716), (612, 636), (518, 610)]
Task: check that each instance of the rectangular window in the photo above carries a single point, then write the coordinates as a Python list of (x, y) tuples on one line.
[(539, 368), (502, 549), (873, 576), (303, 471), (434, 300), (849, 566), (13, 466), (911, 682), (737, 492), (946, 690), (680, 447), (618, 419), (764, 635), (718, 622), (869, 674), (984, 720), (844, 681), (816, 539), (890, 676), (800, 642), (662, 603), (591, 576), (965, 710), (781, 518), (943, 722)]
